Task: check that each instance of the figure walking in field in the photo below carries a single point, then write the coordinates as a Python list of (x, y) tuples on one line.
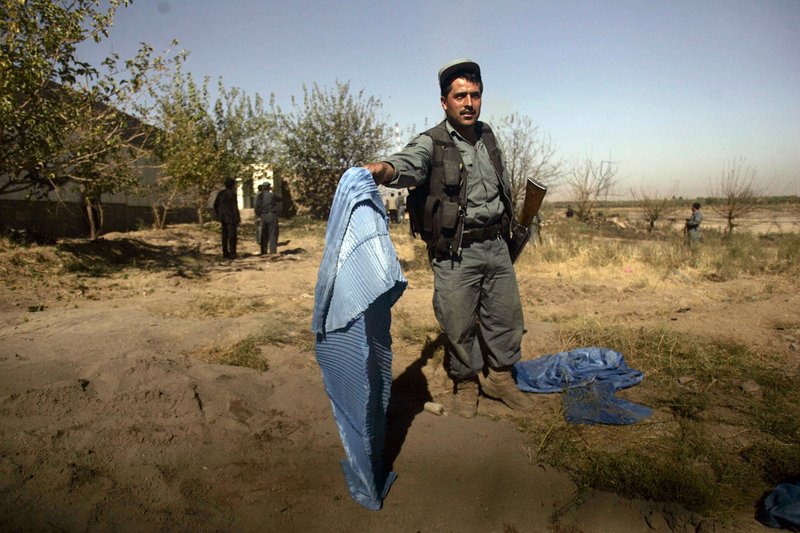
[(226, 209), (267, 207), (693, 225), (461, 207)]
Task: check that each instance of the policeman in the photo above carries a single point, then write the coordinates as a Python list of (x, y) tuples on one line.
[(267, 207), (461, 194), (693, 225)]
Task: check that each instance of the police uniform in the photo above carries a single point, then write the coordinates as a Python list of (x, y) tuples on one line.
[(479, 283), (693, 226), (267, 208)]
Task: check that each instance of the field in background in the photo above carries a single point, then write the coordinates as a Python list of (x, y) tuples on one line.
[(776, 215)]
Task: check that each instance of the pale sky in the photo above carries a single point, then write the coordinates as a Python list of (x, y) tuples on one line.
[(670, 90)]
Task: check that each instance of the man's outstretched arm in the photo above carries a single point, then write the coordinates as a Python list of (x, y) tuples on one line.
[(381, 171)]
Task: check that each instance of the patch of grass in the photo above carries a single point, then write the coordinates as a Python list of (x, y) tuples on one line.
[(781, 399), (776, 462), (787, 254), (230, 306), (412, 331), (785, 325), (666, 354), (287, 330), (688, 405), (677, 456), (412, 252), (277, 330), (302, 225), (28, 260), (246, 353), (638, 475), (719, 257), (87, 267)]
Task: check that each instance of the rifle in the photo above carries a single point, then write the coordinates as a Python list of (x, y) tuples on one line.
[(521, 231)]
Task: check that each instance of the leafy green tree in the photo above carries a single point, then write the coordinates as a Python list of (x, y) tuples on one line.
[(61, 119), (185, 143), (245, 134), (331, 131), (200, 147)]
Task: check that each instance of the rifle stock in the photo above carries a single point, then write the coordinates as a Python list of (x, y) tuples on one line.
[(534, 195), (521, 232)]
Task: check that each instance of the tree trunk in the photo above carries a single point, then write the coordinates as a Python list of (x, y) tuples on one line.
[(159, 215), (161, 208), (94, 215)]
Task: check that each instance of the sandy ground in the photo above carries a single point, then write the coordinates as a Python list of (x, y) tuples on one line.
[(112, 418)]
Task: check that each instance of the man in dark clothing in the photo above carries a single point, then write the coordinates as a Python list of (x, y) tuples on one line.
[(476, 297), (226, 209), (258, 218), (268, 205)]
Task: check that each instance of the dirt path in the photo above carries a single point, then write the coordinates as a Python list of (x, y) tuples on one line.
[(112, 418)]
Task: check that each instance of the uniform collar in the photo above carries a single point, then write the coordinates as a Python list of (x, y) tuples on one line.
[(453, 133)]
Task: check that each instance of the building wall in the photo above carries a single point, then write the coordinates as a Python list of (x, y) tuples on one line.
[(68, 219), (61, 213)]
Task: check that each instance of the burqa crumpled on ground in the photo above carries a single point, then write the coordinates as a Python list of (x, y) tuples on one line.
[(781, 507), (590, 376), (358, 282)]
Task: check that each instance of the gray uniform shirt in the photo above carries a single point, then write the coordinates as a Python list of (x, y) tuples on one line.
[(693, 222), (267, 202), (412, 167)]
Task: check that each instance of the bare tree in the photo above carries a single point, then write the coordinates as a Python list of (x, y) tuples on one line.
[(654, 205), (736, 193), (527, 154), (589, 181)]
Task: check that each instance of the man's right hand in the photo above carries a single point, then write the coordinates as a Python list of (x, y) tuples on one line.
[(381, 172)]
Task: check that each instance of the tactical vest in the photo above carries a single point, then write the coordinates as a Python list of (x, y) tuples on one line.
[(438, 207)]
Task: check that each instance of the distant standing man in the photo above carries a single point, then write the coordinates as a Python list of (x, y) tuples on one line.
[(227, 210), (258, 218), (693, 225), (391, 206), (268, 205), (401, 208), (462, 208)]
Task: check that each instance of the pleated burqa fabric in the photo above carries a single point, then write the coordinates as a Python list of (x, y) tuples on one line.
[(359, 280), (590, 378)]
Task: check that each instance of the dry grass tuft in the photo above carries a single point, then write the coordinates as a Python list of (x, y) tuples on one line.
[(223, 306)]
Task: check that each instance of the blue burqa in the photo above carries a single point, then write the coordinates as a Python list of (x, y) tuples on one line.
[(359, 280), (781, 507), (590, 378)]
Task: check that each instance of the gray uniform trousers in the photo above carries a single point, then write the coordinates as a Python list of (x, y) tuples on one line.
[(269, 233), (481, 287)]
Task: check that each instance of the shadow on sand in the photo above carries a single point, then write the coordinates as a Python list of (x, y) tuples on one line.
[(102, 257), (112, 255), (409, 394)]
